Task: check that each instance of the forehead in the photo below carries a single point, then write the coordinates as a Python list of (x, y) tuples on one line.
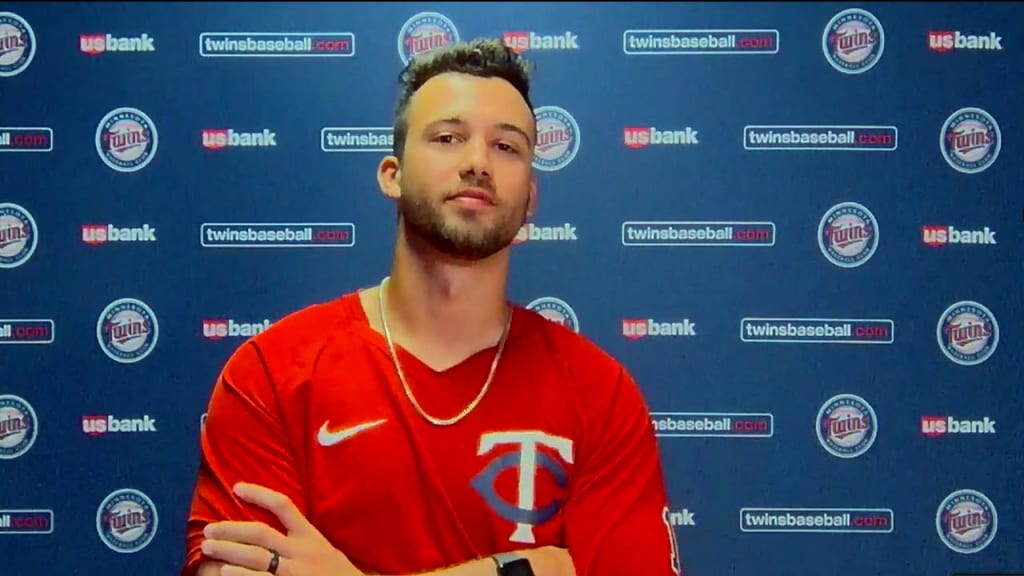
[(475, 99)]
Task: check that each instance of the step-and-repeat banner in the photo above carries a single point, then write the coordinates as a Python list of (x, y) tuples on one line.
[(798, 226)]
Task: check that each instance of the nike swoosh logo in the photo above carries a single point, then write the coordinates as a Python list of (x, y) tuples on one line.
[(328, 438)]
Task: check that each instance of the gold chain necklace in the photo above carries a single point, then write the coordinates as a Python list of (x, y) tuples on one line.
[(401, 376)]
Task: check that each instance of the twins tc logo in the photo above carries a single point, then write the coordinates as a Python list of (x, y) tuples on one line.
[(19, 427), (127, 330), (524, 513)]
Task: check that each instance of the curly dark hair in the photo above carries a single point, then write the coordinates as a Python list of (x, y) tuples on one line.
[(484, 57)]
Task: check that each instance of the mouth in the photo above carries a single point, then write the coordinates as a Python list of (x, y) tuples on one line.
[(472, 197)]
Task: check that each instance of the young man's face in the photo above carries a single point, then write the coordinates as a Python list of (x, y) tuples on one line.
[(466, 180)]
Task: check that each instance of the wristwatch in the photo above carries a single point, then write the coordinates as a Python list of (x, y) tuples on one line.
[(512, 564)]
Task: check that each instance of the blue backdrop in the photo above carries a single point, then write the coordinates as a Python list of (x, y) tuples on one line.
[(796, 225)]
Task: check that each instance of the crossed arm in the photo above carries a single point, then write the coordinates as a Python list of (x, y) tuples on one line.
[(246, 547)]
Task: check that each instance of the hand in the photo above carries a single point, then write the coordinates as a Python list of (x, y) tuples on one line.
[(247, 548), (552, 560)]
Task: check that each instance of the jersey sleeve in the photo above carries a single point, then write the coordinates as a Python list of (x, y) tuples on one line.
[(244, 439), (617, 515)]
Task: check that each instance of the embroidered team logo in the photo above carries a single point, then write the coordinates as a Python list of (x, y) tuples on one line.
[(970, 140), (848, 235), (18, 426), (126, 521), (126, 139), (966, 521), (558, 139), (127, 330), (526, 512), (967, 333), (425, 33), (17, 44), (18, 235), (853, 41), (846, 426)]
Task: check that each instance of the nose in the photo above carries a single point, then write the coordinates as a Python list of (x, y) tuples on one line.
[(477, 158)]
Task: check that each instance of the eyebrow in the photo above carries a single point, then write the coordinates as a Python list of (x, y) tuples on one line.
[(505, 126)]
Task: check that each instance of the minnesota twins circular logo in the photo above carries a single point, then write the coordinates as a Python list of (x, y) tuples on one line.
[(18, 235), (557, 311), (126, 520), (126, 139), (127, 330), (848, 234), (968, 333), (17, 44), (18, 426), (846, 426), (558, 138), (966, 521), (853, 41), (970, 140), (424, 33)]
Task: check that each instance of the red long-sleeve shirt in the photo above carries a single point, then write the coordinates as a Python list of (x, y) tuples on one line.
[(559, 452)]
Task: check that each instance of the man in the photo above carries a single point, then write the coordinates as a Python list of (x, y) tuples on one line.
[(426, 424)]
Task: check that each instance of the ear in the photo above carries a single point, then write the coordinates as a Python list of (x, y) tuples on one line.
[(389, 174), (531, 203)]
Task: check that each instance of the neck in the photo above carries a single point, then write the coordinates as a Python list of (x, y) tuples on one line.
[(434, 298)]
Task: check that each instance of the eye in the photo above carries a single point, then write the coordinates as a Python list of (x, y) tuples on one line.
[(505, 146), (445, 138)]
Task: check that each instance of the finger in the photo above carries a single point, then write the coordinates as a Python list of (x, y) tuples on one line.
[(244, 555), (278, 503), (227, 570), (254, 533)]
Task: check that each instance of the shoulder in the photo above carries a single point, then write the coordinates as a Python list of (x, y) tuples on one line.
[(591, 371), (293, 342)]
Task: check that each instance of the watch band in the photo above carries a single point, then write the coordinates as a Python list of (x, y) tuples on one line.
[(512, 564)]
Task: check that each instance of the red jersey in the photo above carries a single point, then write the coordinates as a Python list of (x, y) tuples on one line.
[(559, 452)]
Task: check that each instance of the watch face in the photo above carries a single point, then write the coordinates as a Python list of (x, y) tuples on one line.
[(520, 567)]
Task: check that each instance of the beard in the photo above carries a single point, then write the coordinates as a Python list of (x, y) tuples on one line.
[(466, 238)]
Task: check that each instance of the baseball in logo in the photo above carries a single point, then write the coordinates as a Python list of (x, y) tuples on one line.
[(18, 235), (853, 41), (17, 44), (967, 333), (846, 426), (18, 426), (848, 234), (558, 138), (126, 520), (970, 140), (126, 140), (557, 311), (425, 33), (966, 521), (127, 330)]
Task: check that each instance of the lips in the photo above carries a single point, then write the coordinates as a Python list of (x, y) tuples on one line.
[(474, 194)]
